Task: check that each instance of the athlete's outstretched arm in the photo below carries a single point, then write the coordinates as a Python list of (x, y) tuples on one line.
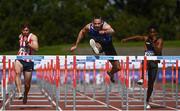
[(138, 37), (81, 34), (34, 44)]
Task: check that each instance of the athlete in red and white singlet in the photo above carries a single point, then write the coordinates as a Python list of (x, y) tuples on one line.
[(28, 44), (24, 50)]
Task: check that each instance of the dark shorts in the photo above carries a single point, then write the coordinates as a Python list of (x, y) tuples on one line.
[(27, 66), (107, 48), (152, 68)]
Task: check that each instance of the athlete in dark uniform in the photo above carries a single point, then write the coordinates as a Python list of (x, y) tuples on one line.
[(101, 41), (153, 47)]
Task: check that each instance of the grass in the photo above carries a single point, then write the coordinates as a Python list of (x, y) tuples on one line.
[(64, 49)]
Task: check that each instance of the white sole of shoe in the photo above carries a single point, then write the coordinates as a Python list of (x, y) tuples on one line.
[(19, 96), (93, 45), (148, 107)]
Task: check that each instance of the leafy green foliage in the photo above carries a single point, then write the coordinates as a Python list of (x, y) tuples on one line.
[(59, 21)]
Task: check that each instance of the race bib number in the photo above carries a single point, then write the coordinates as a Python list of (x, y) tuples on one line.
[(22, 50), (149, 53)]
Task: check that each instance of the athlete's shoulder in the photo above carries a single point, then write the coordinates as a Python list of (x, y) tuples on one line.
[(106, 25), (20, 35), (33, 36), (87, 27), (160, 39)]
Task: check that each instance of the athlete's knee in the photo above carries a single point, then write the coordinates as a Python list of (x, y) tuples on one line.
[(151, 86), (17, 72), (27, 85), (117, 66)]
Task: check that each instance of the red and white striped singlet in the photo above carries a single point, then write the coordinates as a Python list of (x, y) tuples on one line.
[(24, 49)]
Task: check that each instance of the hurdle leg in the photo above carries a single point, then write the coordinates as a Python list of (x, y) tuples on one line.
[(177, 100), (57, 97), (65, 97), (107, 96), (74, 99), (119, 86)]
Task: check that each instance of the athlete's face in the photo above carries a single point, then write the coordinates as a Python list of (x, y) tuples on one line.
[(25, 31), (152, 32), (97, 23)]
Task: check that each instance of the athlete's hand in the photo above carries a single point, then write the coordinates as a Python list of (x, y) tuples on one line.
[(123, 40), (102, 32), (73, 48), (26, 41)]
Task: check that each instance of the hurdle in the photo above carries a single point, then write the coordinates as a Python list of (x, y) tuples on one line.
[(72, 60), (53, 69), (11, 86), (168, 96)]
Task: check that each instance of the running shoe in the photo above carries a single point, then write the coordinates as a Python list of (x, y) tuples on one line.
[(25, 99), (19, 95), (140, 82), (93, 45), (148, 106)]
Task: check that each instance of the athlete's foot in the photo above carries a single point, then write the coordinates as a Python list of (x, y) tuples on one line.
[(148, 106), (93, 45), (19, 95), (25, 99), (111, 77), (140, 82)]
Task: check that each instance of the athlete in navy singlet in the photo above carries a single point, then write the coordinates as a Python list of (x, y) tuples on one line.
[(101, 41)]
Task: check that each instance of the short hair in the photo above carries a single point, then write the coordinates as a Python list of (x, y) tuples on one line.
[(25, 25), (97, 17), (153, 26)]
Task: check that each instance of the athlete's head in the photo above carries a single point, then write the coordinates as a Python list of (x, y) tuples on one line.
[(97, 23), (25, 28), (153, 31)]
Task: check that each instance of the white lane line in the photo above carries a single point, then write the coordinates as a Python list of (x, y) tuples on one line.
[(153, 103), (53, 102), (100, 102), (7, 101)]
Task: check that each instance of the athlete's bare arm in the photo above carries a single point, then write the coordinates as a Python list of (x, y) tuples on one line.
[(107, 29), (34, 44), (138, 37), (81, 34), (158, 47)]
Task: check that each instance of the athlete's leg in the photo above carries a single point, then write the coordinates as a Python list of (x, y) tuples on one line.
[(27, 84), (141, 80), (152, 73), (110, 50), (18, 69), (96, 46), (115, 68)]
